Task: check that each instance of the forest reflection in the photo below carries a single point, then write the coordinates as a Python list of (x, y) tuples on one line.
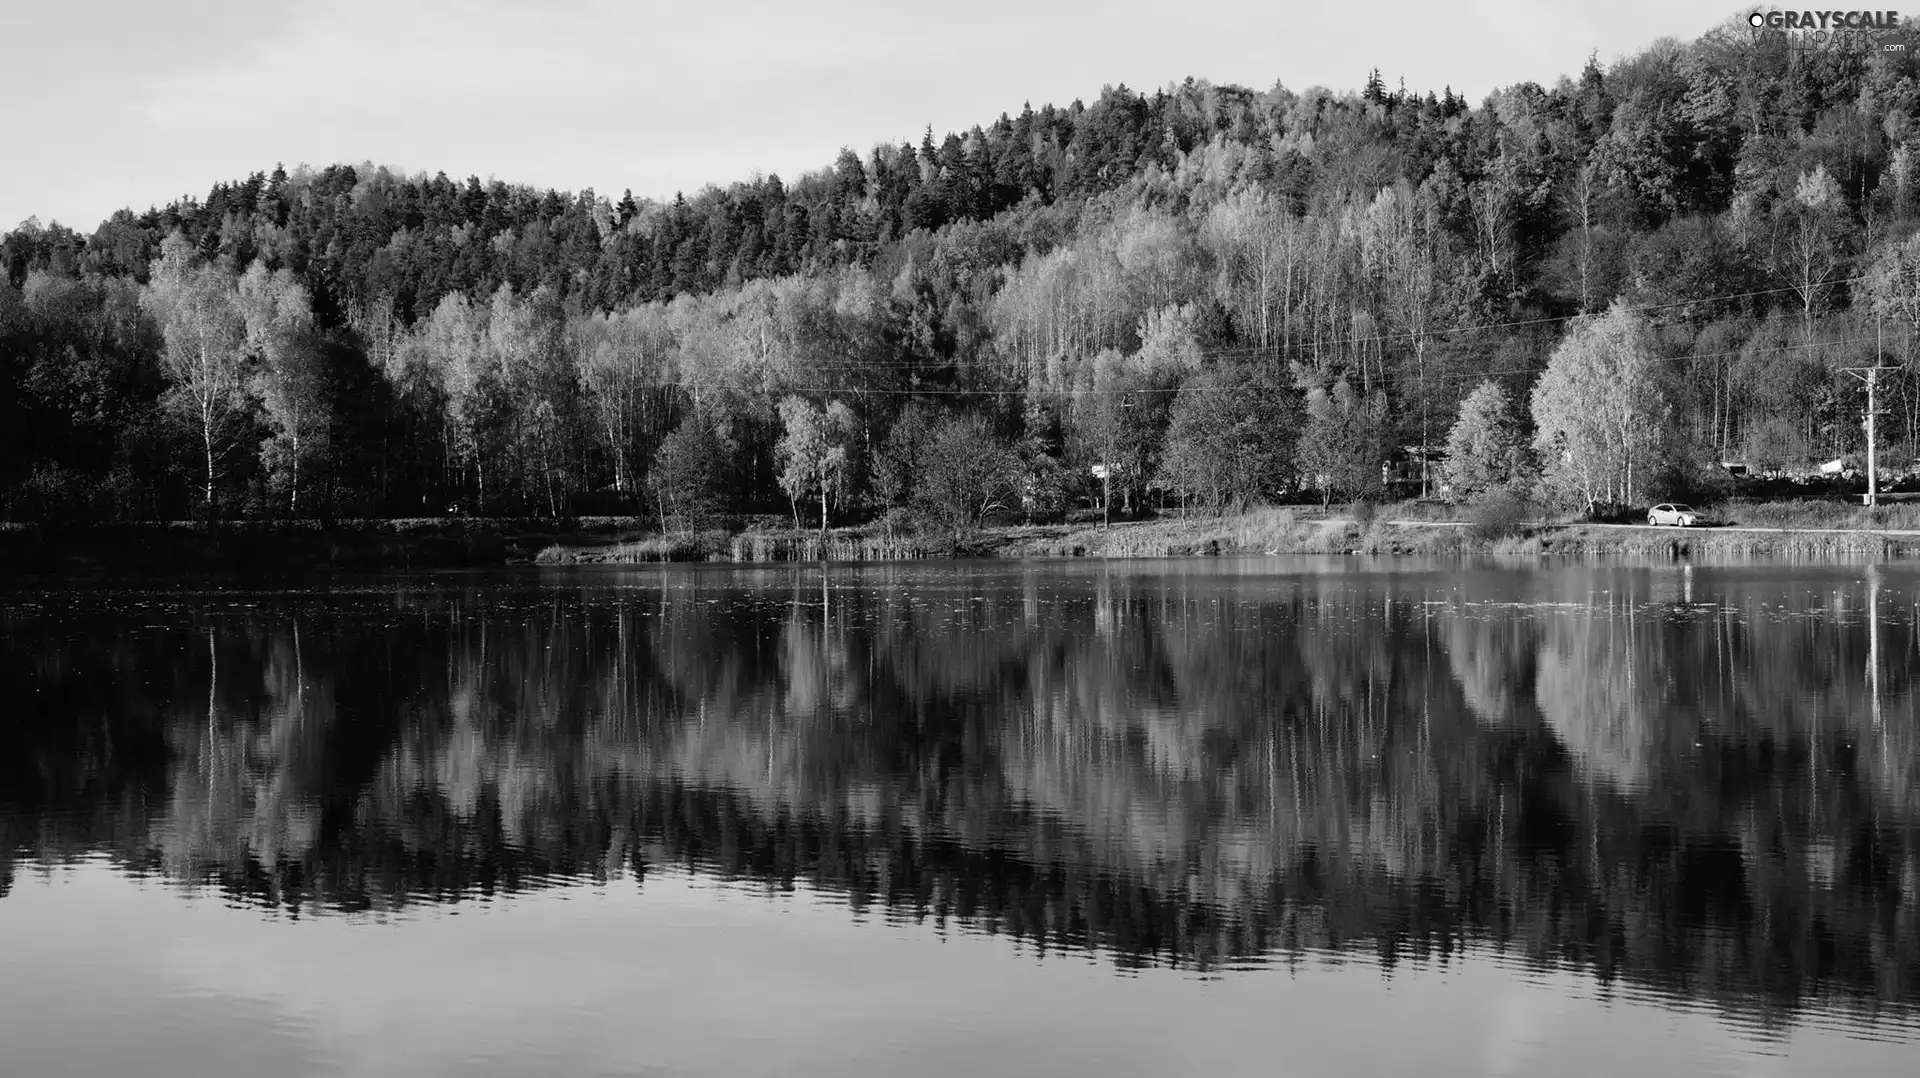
[(1698, 781)]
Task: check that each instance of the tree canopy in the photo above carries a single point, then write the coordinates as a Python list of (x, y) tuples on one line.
[(352, 341)]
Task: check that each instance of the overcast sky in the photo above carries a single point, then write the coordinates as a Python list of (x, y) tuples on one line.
[(109, 103)]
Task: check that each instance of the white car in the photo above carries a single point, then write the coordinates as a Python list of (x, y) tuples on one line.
[(1678, 516)]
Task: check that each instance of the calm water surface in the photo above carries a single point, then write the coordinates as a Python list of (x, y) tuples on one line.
[(1274, 816)]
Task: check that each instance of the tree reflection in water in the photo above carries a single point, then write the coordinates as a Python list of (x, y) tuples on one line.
[(1700, 781)]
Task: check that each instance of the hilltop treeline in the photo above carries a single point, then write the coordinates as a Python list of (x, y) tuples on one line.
[(1222, 293)]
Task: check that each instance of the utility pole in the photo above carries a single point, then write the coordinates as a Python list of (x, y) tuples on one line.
[(1106, 467), (1871, 376), (1106, 481)]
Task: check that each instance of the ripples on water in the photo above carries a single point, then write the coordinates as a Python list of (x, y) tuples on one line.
[(1558, 798)]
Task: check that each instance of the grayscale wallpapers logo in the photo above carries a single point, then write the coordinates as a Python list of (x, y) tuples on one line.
[(1826, 20), (1873, 30)]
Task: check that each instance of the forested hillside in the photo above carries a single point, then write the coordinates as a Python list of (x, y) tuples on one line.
[(1222, 294)]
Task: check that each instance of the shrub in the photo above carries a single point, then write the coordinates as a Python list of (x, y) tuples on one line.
[(1501, 513), (1364, 514)]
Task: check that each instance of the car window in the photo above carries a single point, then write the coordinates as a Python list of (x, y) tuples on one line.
[(1661, 508), (1682, 509)]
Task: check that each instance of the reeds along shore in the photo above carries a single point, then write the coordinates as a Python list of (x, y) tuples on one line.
[(747, 547), (1267, 531), (1257, 536), (1830, 532)]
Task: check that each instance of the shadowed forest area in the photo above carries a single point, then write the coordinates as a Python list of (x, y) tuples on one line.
[(1204, 295), (1700, 783)]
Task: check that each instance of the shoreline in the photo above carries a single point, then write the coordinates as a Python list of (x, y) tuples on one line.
[(173, 547), (1261, 533), (468, 543)]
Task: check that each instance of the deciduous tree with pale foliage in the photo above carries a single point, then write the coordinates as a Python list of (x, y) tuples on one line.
[(1485, 448), (814, 457), (204, 357), (288, 376), (1599, 411)]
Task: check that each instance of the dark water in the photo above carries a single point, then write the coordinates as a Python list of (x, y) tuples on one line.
[(1219, 818)]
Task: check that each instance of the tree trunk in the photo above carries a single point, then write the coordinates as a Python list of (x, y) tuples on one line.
[(206, 431)]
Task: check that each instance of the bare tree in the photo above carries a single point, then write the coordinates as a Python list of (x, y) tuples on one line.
[(1580, 198), (1806, 252)]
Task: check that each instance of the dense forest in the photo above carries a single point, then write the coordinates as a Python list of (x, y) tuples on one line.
[(1205, 295)]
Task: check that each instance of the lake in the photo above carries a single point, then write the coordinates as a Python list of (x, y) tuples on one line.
[(1220, 817)]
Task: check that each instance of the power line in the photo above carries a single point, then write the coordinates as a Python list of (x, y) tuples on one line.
[(1447, 378)]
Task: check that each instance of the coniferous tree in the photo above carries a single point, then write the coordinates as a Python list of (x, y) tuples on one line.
[(1485, 448)]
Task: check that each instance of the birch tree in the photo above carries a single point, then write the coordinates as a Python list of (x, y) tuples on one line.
[(1807, 254), (1892, 290), (624, 364), (1251, 241), (287, 376), (1583, 193), (204, 355), (453, 346), (814, 457), (1402, 251), (1598, 410)]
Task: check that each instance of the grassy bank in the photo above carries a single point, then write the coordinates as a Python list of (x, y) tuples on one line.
[(1264, 531), (753, 546), (170, 548), (1261, 531), (1708, 543), (1278, 531), (1847, 515), (1286, 530)]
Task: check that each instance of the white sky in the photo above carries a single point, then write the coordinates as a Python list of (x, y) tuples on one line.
[(111, 103)]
